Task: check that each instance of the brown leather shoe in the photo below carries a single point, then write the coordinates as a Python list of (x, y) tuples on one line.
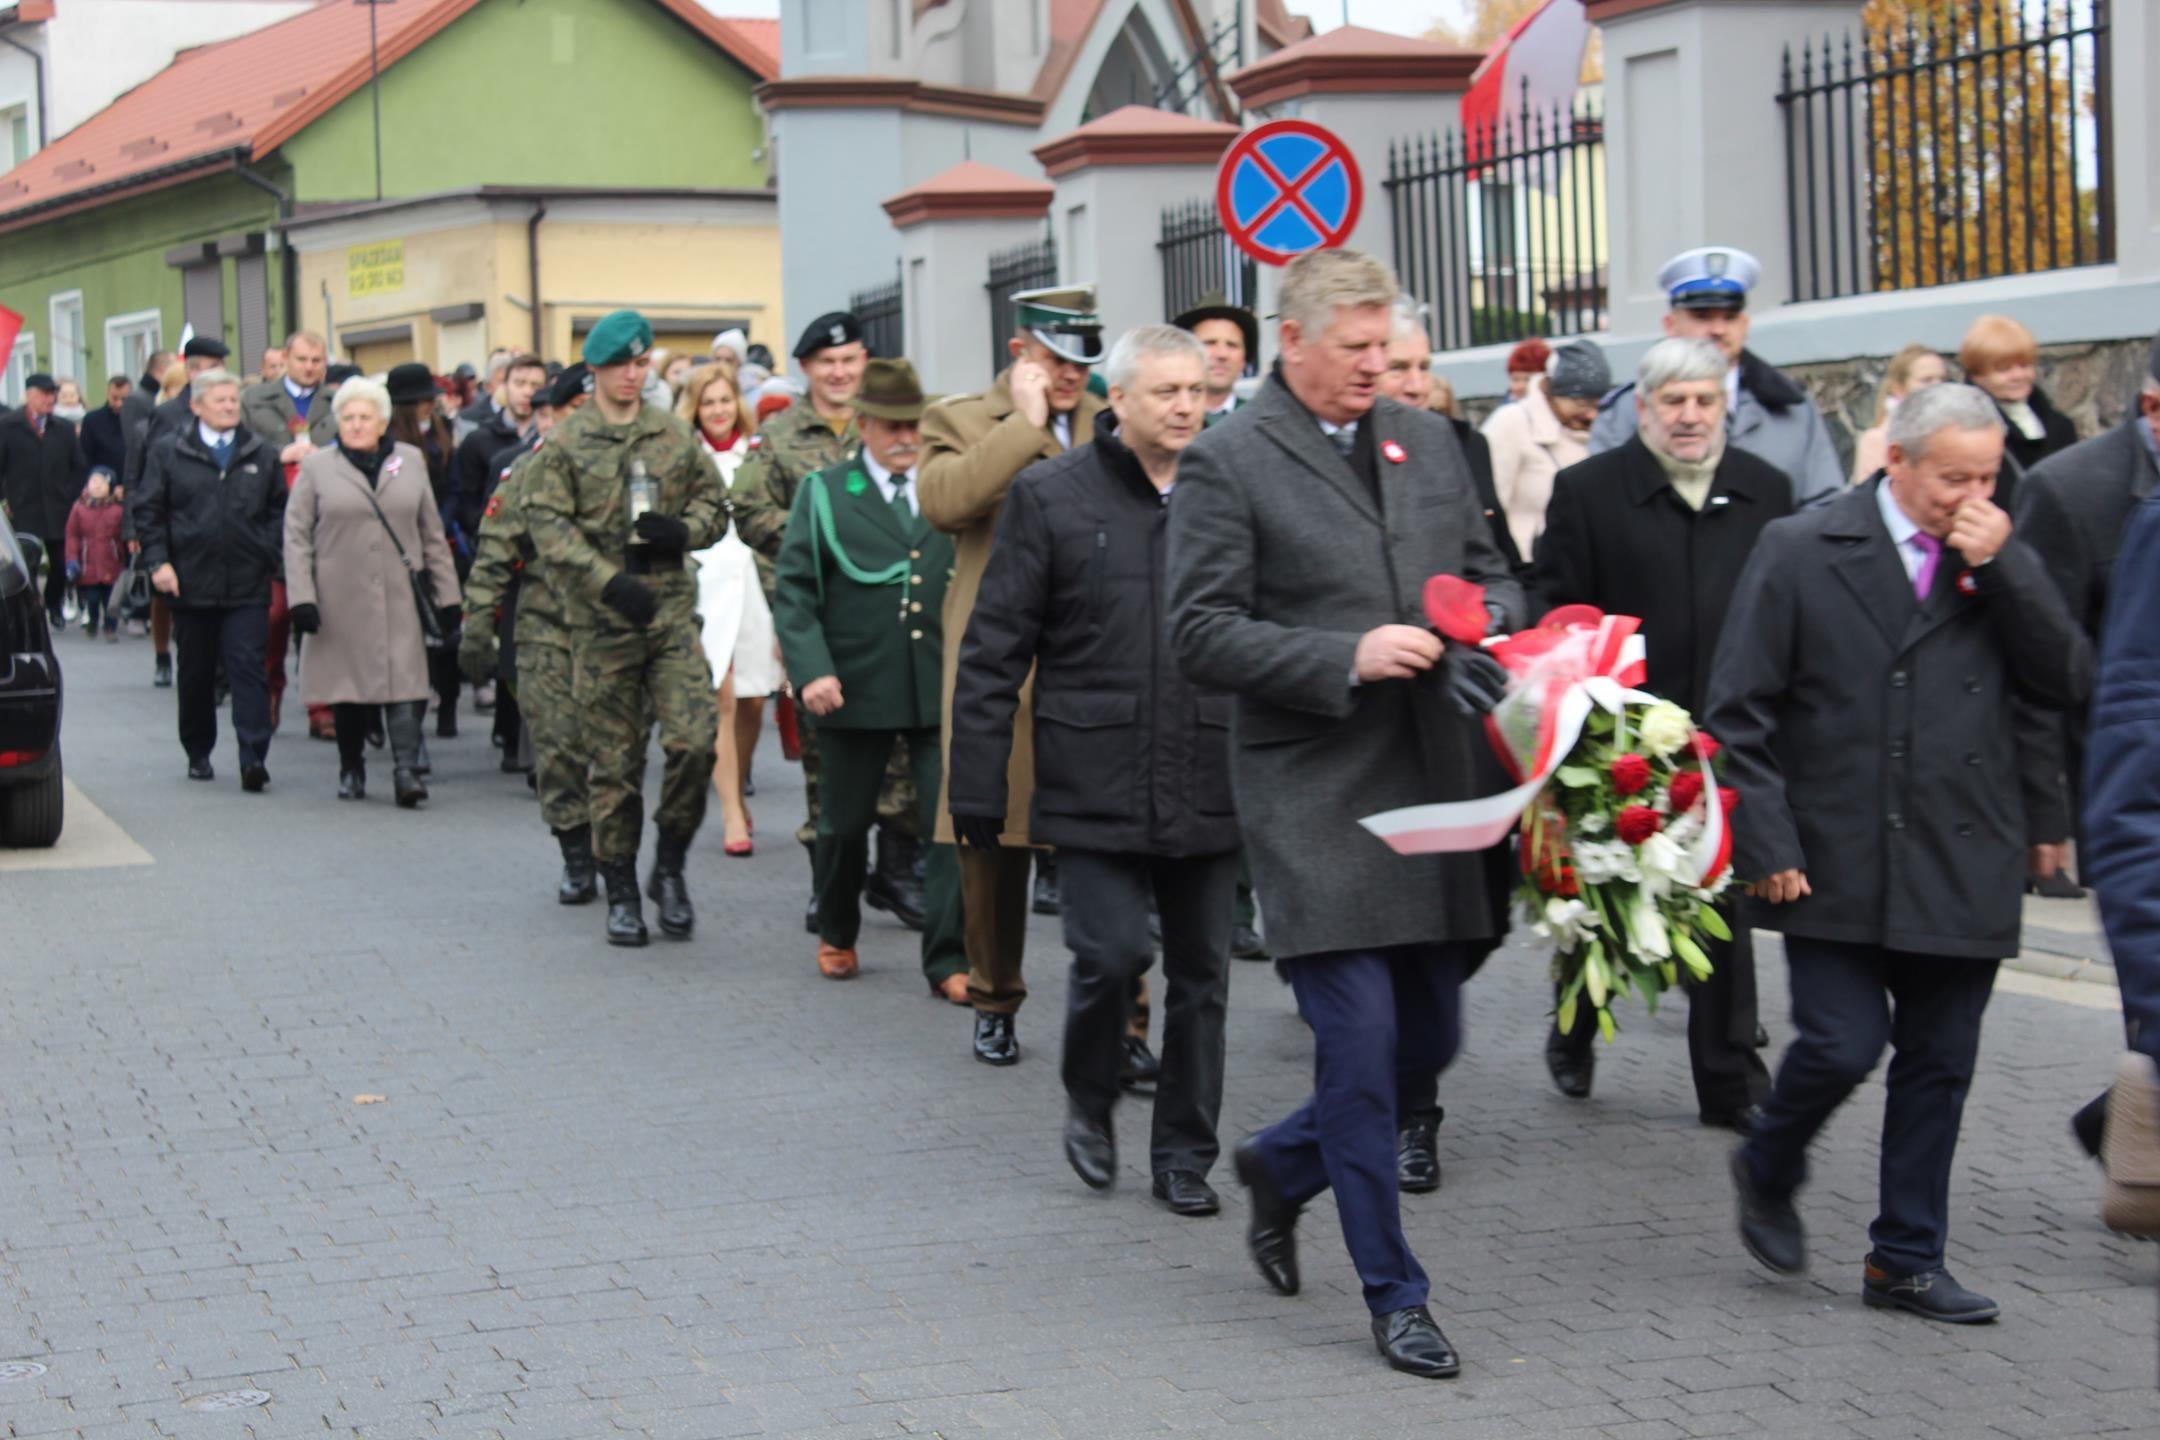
[(834, 963), (953, 988)]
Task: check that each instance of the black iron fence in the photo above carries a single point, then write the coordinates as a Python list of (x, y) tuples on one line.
[(1501, 229), (1198, 260), (1221, 52), (884, 317), (1023, 267), (1968, 142)]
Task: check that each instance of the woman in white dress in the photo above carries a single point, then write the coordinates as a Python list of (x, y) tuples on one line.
[(738, 629)]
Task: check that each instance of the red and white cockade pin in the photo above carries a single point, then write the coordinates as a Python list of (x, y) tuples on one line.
[(1966, 584), (1394, 452)]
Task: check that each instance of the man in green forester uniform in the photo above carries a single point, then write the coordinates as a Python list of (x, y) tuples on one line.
[(857, 596), (815, 432), (616, 501), (507, 576)]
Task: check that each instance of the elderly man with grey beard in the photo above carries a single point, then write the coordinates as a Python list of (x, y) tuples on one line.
[(1864, 690)]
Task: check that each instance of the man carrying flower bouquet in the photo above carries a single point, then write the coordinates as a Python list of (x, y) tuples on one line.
[(1661, 528), (1864, 690), (1303, 530)]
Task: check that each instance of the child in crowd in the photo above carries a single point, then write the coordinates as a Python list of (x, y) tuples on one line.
[(94, 553)]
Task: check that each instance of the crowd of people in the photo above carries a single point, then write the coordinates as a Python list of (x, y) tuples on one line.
[(1136, 635)]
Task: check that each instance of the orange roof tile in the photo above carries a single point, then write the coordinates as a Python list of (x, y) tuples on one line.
[(244, 97)]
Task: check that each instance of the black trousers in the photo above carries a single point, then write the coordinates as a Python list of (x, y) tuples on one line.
[(1729, 1070), (1848, 1002), (1379, 1019), (56, 581), (236, 635), (1104, 905)]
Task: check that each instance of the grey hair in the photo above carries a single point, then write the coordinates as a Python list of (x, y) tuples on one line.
[(210, 379), (360, 387), (1923, 414), (1676, 359), (1135, 345), (1320, 282), (1409, 316)]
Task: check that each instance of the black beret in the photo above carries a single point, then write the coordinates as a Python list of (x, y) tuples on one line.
[(206, 346), (836, 327)]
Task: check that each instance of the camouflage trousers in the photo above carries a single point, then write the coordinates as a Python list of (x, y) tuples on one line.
[(547, 698), (626, 682), (897, 812)]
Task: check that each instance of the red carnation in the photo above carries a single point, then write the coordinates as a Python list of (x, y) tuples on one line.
[(1685, 790), (1456, 608), (1630, 773), (1637, 823), (1706, 745), (1728, 797)]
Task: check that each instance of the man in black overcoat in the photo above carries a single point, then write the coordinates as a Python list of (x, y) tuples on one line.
[(41, 473), (1302, 532), (1661, 528), (1864, 690)]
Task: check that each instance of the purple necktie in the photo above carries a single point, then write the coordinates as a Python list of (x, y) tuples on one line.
[(1930, 549)]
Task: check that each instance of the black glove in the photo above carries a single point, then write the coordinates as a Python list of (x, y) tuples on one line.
[(306, 619), (1475, 681), (630, 600), (978, 832), (662, 532), (449, 617)]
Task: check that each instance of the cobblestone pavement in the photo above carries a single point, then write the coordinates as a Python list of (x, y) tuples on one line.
[(696, 1191)]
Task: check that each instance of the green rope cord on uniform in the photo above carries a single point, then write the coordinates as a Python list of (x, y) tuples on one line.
[(822, 526)]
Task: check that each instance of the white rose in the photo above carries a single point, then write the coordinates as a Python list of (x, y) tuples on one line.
[(1665, 728)]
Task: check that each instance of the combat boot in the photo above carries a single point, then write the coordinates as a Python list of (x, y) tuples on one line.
[(668, 890), (625, 917), (579, 886), (894, 886)]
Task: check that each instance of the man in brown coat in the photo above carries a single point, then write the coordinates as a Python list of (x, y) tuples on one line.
[(974, 446)]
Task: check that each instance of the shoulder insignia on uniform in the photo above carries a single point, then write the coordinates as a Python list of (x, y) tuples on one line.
[(857, 482), (755, 441), (494, 507)]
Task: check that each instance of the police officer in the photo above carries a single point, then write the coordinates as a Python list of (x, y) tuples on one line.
[(1766, 413), (533, 667), (808, 436), (616, 500)]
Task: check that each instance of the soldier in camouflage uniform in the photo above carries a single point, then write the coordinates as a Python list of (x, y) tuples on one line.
[(616, 501), (506, 579), (816, 432)]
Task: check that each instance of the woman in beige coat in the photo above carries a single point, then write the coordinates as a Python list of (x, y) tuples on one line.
[(1543, 433), (353, 508)]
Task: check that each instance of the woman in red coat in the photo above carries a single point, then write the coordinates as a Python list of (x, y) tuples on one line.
[(93, 552)]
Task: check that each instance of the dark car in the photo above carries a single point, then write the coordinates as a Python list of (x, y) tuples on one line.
[(30, 786)]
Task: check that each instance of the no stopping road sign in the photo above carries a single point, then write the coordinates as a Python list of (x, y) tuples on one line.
[(1287, 187)]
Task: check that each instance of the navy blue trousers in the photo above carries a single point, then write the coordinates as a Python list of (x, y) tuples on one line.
[(1380, 1019), (1848, 1002)]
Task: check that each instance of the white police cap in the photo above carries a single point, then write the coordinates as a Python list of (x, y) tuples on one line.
[(1714, 277)]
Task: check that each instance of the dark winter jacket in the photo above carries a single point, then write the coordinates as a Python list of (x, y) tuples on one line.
[(474, 472), (224, 534), (1129, 756), (104, 441), (40, 475), (2060, 435)]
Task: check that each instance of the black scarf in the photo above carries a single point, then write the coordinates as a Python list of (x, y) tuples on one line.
[(368, 462)]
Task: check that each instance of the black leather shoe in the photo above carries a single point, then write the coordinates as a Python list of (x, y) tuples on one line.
[(1090, 1148), (891, 885), (2089, 1125), (1186, 1193), (1931, 1294), (200, 770), (1045, 899), (809, 916), (1769, 1225), (1141, 1069), (1741, 1122), (1271, 1233), (2058, 886), (625, 916), (1573, 1071), (352, 784), (1411, 1341), (668, 889), (161, 676), (1246, 944), (995, 1043), (1417, 1160), (579, 884), (255, 778), (407, 788)]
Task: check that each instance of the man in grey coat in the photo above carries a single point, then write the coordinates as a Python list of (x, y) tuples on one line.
[(1766, 414), (1302, 531)]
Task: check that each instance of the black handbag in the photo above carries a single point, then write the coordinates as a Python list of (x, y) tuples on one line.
[(431, 630)]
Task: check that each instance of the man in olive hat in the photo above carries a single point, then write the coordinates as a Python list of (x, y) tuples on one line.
[(810, 435), (974, 446), (616, 500), (857, 599), (1231, 336)]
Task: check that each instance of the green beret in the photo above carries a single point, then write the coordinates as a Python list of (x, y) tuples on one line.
[(621, 336)]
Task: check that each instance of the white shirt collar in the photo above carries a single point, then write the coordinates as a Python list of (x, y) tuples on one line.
[(886, 484), (1061, 425), (1901, 528), (297, 391), (213, 438), (1329, 427), (1229, 404)]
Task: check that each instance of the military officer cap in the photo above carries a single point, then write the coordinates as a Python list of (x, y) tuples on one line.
[(890, 391), (1714, 277), (1213, 306), (204, 347), (835, 327), (1063, 318), (575, 380), (618, 338)]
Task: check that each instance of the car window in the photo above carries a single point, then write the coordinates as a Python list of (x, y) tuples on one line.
[(14, 569)]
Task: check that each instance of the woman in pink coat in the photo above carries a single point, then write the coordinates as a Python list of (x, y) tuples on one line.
[(1543, 433)]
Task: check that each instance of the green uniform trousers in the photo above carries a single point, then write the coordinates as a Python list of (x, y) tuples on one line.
[(547, 697), (854, 767), (627, 680)]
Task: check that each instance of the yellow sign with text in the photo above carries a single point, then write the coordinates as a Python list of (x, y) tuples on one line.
[(377, 269)]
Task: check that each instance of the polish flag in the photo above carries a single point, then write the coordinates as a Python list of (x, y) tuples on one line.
[(1545, 49), (10, 326)]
